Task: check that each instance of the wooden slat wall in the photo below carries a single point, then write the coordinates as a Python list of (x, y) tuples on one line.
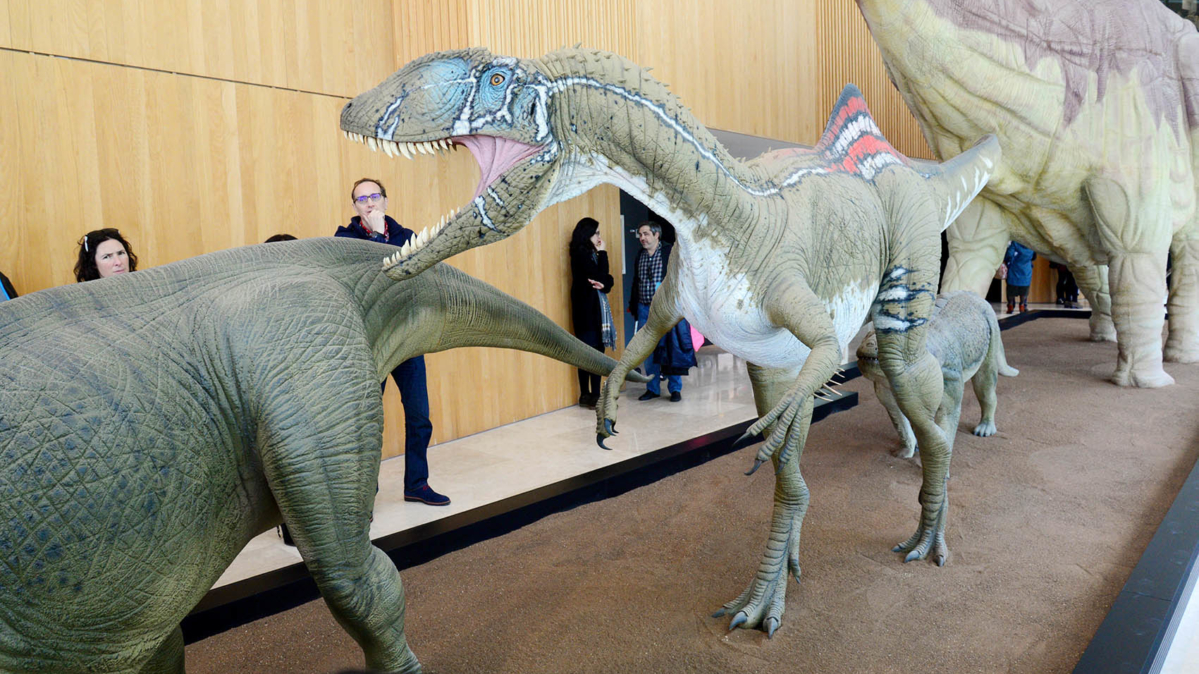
[(847, 54), (197, 125)]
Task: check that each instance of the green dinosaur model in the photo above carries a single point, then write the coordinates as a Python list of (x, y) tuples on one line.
[(152, 424), (1096, 104), (779, 260), (963, 335)]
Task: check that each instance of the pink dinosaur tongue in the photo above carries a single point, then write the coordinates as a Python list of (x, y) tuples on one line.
[(495, 156)]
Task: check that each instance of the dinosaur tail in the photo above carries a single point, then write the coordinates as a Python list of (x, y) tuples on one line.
[(956, 182), (478, 314), (997, 345)]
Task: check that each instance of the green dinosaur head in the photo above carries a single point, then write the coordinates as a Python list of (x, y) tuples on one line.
[(497, 107)]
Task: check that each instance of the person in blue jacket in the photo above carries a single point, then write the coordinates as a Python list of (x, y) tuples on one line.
[(674, 355), (1018, 261), (373, 224), (7, 292)]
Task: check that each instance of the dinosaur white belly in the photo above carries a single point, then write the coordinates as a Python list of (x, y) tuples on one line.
[(725, 309)]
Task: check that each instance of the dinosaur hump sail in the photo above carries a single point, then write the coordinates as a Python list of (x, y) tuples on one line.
[(852, 141)]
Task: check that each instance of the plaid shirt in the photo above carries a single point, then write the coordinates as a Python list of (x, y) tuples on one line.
[(650, 272)]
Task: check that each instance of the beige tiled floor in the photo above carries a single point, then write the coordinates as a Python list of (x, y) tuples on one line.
[(517, 458)]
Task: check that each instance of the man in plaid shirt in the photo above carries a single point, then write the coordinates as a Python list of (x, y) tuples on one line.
[(648, 273)]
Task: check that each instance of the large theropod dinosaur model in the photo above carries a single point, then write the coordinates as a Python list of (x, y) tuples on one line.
[(780, 259), (1096, 105), (151, 424)]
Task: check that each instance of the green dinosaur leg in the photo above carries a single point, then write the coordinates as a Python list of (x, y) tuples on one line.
[(1137, 278), (784, 399), (663, 315), (1182, 342), (323, 474), (984, 382), (898, 420), (168, 659), (1092, 280), (762, 602), (977, 241)]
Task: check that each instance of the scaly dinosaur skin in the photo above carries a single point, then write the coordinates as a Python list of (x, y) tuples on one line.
[(1096, 104), (152, 424), (963, 335), (779, 259)]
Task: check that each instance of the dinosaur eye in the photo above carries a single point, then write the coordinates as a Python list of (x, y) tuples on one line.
[(497, 79)]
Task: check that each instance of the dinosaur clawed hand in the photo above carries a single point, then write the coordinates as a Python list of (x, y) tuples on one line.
[(929, 539), (786, 434), (605, 409)]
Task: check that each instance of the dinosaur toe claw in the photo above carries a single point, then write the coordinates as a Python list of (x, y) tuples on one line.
[(757, 464)]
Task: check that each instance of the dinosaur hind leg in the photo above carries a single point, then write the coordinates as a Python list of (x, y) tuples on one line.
[(1182, 342), (1092, 281), (762, 602), (1136, 245)]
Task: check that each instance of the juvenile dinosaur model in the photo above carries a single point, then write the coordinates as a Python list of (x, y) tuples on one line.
[(963, 335), (152, 424), (779, 260), (1096, 105)]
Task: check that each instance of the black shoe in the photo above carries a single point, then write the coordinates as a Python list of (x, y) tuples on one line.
[(427, 496), (648, 395), (287, 540), (675, 396), (587, 401)]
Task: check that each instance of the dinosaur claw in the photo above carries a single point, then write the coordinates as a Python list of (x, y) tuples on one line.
[(599, 439), (772, 624), (610, 427), (720, 612), (746, 440), (757, 464), (738, 620)]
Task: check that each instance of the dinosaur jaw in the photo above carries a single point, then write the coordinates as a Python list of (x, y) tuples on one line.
[(505, 200)]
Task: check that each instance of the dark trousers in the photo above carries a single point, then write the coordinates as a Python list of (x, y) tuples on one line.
[(589, 384), (674, 382), (418, 430), (1067, 288)]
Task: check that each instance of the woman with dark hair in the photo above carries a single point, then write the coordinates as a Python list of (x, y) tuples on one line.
[(104, 253), (590, 284)]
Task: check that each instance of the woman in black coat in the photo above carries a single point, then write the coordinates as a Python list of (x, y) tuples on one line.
[(589, 278)]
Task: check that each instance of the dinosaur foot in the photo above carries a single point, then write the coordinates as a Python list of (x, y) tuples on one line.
[(928, 541), (1179, 354), (904, 452), (985, 429), (761, 604), (1102, 328), (1146, 376)]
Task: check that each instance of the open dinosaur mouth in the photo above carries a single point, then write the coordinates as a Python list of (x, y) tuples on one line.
[(495, 156)]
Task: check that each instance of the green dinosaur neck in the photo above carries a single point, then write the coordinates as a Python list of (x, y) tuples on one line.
[(612, 117)]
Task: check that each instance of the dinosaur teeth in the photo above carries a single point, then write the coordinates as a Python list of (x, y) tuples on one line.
[(406, 150), (386, 148), (372, 144)]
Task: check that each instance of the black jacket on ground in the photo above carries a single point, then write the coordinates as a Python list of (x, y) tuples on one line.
[(584, 300)]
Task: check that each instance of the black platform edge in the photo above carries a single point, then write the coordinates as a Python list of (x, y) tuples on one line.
[(1135, 636), (244, 601)]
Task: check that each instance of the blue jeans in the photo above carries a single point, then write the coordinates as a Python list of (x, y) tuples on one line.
[(418, 430), (674, 382)]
